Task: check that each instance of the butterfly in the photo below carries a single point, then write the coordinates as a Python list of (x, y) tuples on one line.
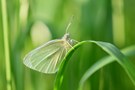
[(48, 57)]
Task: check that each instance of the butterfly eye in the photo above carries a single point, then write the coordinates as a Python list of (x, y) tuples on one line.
[(73, 42)]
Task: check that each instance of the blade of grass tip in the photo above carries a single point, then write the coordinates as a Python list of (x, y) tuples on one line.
[(6, 43), (129, 51)]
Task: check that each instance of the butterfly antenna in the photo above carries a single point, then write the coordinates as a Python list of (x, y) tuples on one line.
[(69, 24)]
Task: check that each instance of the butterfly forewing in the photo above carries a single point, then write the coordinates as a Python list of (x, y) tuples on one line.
[(47, 57)]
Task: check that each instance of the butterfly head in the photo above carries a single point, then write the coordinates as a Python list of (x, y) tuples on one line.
[(66, 37), (70, 41)]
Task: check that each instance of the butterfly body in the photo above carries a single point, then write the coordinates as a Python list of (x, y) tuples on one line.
[(48, 57)]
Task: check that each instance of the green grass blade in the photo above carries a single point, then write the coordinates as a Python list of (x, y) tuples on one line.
[(115, 54), (130, 51), (6, 43), (120, 58)]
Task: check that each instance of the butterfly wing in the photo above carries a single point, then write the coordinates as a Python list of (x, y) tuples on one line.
[(47, 57)]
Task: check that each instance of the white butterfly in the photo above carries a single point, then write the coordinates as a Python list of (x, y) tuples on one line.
[(48, 57)]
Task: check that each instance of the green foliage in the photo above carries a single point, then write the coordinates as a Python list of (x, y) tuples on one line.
[(89, 67), (115, 55)]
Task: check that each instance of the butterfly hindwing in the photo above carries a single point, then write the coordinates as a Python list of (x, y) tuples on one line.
[(47, 57)]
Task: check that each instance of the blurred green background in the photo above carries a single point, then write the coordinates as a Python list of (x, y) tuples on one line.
[(34, 22)]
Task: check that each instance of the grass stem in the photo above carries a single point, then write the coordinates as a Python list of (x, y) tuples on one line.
[(6, 43)]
